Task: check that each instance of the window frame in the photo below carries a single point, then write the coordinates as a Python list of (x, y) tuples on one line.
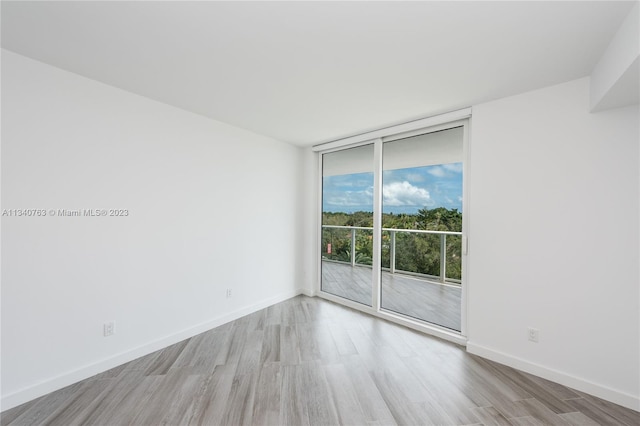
[(460, 118)]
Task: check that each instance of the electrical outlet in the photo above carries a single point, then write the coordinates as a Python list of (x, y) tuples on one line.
[(228, 292), (533, 334), (109, 328)]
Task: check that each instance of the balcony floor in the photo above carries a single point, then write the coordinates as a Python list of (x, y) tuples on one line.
[(407, 295)]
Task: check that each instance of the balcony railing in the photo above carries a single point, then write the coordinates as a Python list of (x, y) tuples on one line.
[(392, 246)]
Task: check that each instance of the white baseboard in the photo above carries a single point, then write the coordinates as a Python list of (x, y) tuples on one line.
[(58, 382), (307, 292), (601, 391)]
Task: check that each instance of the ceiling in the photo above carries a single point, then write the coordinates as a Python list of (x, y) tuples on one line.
[(311, 72)]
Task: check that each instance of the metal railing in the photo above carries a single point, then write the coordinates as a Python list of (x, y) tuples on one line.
[(392, 248)]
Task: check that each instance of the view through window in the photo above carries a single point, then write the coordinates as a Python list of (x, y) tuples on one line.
[(421, 236)]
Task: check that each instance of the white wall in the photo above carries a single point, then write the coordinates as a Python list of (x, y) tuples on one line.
[(210, 206), (554, 239)]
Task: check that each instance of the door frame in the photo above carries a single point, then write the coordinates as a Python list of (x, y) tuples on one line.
[(378, 138)]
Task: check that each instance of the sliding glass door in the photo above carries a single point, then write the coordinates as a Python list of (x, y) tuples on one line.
[(347, 223), (392, 225), (422, 227)]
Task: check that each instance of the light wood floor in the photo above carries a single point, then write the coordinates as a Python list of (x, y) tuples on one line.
[(307, 361), (407, 295)]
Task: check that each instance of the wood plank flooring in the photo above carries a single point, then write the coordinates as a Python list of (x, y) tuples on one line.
[(406, 295), (307, 361)]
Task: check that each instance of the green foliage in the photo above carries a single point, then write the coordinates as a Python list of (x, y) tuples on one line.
[(440, 219), (364, 219), (419, 253), (361, 258), (340, 241)]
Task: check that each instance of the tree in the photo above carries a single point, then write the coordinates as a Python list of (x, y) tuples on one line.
[(440, 219), (415, 252)]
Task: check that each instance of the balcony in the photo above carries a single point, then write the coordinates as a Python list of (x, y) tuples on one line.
[(421, 270)]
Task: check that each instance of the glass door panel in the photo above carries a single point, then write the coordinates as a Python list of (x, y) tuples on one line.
[(347, 224), (421, 250)]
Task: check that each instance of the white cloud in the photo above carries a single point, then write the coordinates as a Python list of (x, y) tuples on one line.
[(415, 177), (453, 167), (445, 170), (437, 171), (343, 184), (350, 198), (404, 194)]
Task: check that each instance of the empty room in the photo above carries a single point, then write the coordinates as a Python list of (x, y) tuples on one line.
[(320, 213)]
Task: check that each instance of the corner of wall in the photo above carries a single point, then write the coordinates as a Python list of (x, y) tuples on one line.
[(307, 226), (614, 79)]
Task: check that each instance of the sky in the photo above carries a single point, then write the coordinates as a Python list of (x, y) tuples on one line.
[(404, 190)]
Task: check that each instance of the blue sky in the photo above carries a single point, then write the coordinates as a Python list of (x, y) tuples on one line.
[(404, 190)]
